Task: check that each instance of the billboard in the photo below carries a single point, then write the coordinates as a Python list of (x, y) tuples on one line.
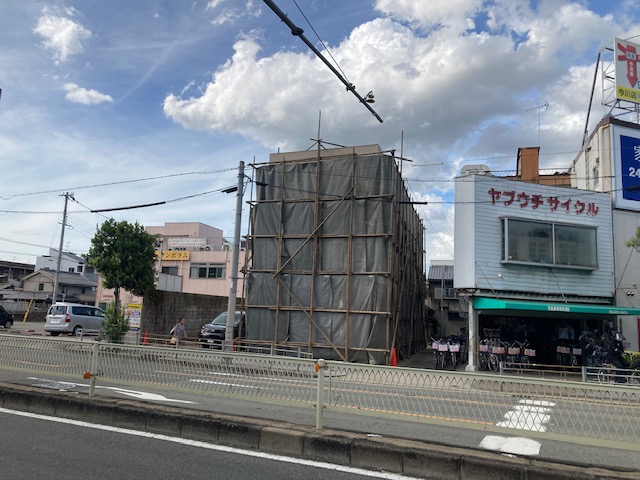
[(626, 163), (626, 61)]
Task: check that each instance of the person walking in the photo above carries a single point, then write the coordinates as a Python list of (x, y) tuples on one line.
[(178, 331)]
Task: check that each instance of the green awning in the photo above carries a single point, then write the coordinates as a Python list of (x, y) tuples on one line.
[(485, 303)]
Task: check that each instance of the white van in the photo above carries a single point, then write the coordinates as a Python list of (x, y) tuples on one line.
[(71, 317)]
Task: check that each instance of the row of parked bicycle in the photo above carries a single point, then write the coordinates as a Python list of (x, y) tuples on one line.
[(492, 351), (449, 351)]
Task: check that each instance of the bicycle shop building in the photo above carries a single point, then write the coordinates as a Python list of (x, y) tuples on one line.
[(534, 264)]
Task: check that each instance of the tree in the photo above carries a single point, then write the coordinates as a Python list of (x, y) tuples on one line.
[(114, 325), (635, 241), (124, 255)]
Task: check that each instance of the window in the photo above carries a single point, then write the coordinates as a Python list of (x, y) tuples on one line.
[(554, 244), (170, 270), (40, 287), (596, 176), (80, 267), (207, 270)]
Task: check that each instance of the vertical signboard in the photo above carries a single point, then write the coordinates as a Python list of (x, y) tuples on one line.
[(626, 167), (133, 313), (626, 60), (630, 161)]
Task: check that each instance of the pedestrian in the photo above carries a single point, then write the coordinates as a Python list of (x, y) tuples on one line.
[(178, 331)]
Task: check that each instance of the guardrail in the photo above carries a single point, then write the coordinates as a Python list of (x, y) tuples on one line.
[(564, 410)]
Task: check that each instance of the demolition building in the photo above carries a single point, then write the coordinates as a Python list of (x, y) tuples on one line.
[(337, 265)]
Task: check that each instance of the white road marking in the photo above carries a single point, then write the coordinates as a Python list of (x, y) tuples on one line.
[(131, 393), (219, 448), (511, 445), (533, 415), (212, 382)]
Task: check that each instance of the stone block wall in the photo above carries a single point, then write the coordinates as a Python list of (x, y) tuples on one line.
[(161, 311)]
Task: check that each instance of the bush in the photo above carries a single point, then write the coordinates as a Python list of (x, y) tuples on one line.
[(114, 326)]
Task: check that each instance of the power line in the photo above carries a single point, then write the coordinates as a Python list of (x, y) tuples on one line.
[(121, 182)]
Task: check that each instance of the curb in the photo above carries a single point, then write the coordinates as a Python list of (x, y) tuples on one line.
[(402, 456)]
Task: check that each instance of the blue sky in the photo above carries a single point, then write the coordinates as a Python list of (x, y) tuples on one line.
[(125, 103)]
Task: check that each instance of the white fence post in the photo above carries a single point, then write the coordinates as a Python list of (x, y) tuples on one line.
[(93, 372)]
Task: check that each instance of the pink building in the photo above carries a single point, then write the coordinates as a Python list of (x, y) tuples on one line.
[(192, 258)]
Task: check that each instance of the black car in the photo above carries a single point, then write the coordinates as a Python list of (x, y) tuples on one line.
[(6, 319), (213, 334)]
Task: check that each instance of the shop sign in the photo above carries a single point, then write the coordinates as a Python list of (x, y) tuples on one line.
[(535, 201), (175, 255), (630, 156), (626, 64)]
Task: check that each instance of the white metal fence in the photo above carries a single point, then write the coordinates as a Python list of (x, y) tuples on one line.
[(582, 412)]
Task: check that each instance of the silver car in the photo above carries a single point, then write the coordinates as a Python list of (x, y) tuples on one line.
[(71, 317)]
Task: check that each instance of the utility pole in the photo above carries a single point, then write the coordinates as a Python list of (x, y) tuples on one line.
[(235, 253), (64, 224)]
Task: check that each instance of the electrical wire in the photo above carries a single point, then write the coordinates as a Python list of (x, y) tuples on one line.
[(322, 42), (121, 182)]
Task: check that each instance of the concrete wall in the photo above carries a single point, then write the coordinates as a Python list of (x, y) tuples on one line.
[(625, 224), (161, 311)]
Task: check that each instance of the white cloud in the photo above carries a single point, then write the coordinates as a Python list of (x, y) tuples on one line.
[(453, 15), (62, 35), (233, 14), (77, 94)]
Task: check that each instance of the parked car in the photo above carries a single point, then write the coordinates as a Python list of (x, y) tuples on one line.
[(212, 334), (71, 317), (6, 319)]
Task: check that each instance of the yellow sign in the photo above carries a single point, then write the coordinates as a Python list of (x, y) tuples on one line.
[(133, 314), (629, 94), (176, 255)]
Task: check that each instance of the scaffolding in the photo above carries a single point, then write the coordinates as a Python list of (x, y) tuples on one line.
[(337, 255)]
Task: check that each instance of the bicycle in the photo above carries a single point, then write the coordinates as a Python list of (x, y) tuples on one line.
[(483, 355), (454, 349), (440, 348), (495, 357)]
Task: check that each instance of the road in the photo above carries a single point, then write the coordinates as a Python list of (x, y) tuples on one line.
[(36, 447), (351, 421)]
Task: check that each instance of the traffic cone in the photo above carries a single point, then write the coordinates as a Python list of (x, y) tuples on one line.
[(145, 340), (394, 358)]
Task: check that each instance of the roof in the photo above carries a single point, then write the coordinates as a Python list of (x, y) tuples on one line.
[(64, 278), (440, 272)]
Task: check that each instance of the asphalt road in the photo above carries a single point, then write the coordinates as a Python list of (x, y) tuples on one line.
[(35, 447), (445, 435)]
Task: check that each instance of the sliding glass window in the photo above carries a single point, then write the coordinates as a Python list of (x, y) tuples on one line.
[(553, 244)]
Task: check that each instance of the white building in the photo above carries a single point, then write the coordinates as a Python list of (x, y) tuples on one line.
[(610, 162), (69, 262), (531, 259)]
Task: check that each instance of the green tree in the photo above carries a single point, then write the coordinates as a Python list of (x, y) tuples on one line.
[(635, 241), (124, 256), (114, 325)]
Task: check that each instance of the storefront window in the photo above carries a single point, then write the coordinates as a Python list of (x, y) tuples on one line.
[(526, 241)]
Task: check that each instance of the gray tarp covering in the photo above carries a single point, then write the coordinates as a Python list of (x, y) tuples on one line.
[(327, 260)]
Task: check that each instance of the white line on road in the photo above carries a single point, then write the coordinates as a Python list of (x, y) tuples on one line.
[(64, 386), (219, 448)]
